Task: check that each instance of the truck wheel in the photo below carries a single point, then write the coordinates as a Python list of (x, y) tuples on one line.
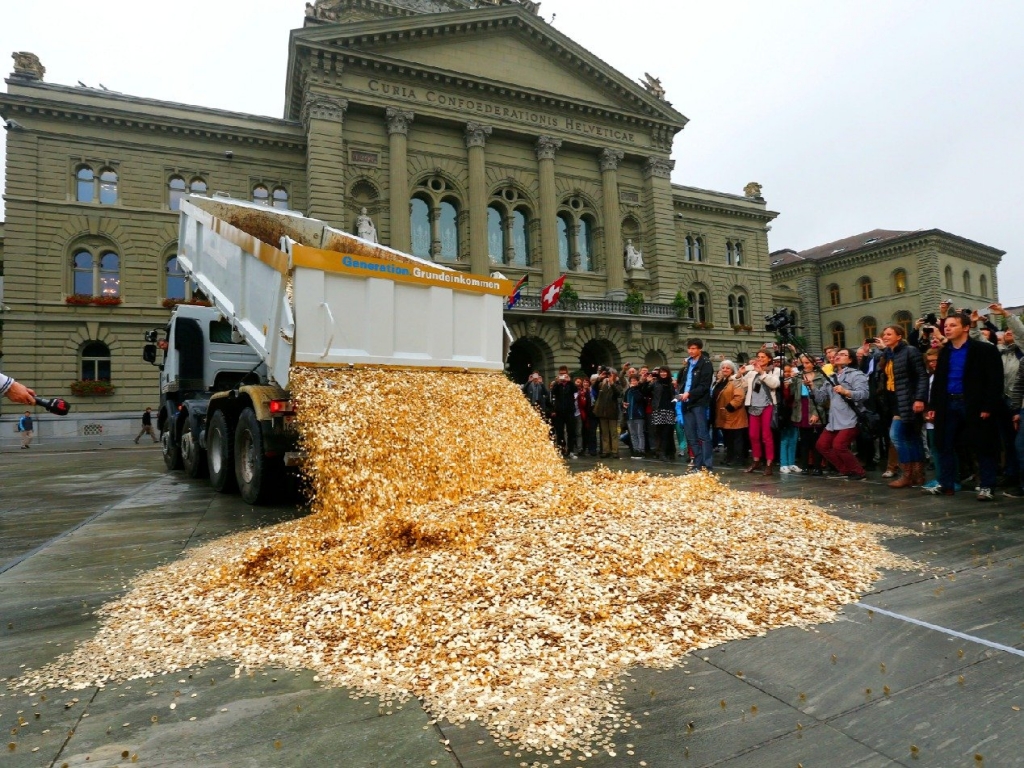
[(193, 457), (172, 455), (220, 457), (251, 467)]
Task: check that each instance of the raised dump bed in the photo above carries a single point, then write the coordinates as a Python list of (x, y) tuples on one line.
[(350, 302)]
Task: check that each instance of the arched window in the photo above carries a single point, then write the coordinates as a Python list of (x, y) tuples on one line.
[(967, 282), (174, 279), (729, 257), (905, 320), (95, 358), (110, 274), (866, 292), (96, 271), (520, 238), (108, 187), (280, 197), (585, 244), (496, 234), (869, 327), (983, 286), (833, 295), (699, 309), (198, 186), (175, 192), (949, 277), (565, 239), (688, 248), (698, 249), (82, 273), (419, 227), (85, 184), (448, 226), (737, 249), (838, 335), (261, 195), (899, 281), (737, 309)]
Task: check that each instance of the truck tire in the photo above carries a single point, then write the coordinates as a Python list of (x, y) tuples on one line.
[(251, 467), (172, 455), (193, 457), (220, 454)]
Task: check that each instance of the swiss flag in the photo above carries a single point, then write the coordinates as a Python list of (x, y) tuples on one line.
[(549, 296)]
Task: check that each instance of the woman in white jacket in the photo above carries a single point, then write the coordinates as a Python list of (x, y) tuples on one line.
[(762, 382)]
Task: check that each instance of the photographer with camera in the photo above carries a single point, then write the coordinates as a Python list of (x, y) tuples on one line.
[(761, 381), (841, 430), (607, 409)]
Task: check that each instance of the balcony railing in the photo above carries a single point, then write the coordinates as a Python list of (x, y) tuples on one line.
[(530, 304)]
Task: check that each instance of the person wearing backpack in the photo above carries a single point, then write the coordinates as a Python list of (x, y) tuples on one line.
[(26, 429)]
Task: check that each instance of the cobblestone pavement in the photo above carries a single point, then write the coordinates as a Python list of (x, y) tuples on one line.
[(927, 671)]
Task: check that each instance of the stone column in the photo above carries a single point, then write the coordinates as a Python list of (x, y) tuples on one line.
[(323, 117), (398, 177), (546, 148), (613, 258), (659, 211), (476, 139)]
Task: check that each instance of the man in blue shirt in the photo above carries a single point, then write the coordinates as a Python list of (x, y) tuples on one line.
[(26, 428), (965, 398)]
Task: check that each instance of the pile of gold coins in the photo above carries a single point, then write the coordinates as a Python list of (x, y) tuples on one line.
[(450, 556)]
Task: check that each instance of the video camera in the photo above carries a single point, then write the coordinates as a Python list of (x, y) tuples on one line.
[(782, 322)]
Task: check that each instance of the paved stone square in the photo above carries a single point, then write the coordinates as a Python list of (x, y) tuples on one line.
[(927, 671)]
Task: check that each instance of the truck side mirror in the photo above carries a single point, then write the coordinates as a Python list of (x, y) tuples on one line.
[(149, 354)]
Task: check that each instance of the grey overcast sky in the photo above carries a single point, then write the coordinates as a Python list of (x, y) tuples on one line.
[(898, 114)]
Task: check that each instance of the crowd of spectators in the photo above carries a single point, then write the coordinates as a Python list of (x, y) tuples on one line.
[(945, 398)]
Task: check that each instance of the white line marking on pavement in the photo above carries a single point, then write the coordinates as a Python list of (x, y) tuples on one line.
[(944, 630)]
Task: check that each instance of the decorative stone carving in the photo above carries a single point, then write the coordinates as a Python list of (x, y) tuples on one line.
[(365, 228), (753, 189), (602, 330), (547, 147), (634, 258), (320, 106), (532, 327), (653, 86), (660, 167), (610, 159), (636, 335), (27, 66), (569, 332), (398, 120), (476, 134)]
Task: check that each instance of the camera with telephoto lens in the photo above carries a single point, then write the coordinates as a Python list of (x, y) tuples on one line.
[(782, 322)]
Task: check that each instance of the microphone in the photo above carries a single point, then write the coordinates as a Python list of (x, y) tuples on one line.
[(55, 405)]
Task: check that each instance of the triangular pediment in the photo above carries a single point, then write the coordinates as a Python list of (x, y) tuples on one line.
[(504, 47)]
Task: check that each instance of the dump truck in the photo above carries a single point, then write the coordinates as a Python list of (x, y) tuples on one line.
[(285, 290)]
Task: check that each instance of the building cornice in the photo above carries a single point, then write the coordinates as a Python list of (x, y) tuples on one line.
[(963, 248), (702, 205), (146, 114), (346, 39)]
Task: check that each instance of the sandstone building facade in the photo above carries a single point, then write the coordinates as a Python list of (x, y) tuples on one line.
[(471, 131), (850, 289)]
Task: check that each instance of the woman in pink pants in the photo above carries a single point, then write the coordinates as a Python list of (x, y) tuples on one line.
[(762, 382)]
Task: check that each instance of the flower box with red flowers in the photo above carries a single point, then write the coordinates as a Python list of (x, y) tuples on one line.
[(78, 299), (172, 303), (106, 301), (92, 388)]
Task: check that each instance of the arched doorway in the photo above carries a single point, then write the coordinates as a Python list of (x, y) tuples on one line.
[(655, 359), (524, 357), (596, 354)]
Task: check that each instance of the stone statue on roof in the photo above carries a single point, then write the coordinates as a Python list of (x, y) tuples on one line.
[(753, 189), (653, 86)]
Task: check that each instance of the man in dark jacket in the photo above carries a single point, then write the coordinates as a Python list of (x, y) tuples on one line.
[(694, 383), (966, 395), (563, 412)]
